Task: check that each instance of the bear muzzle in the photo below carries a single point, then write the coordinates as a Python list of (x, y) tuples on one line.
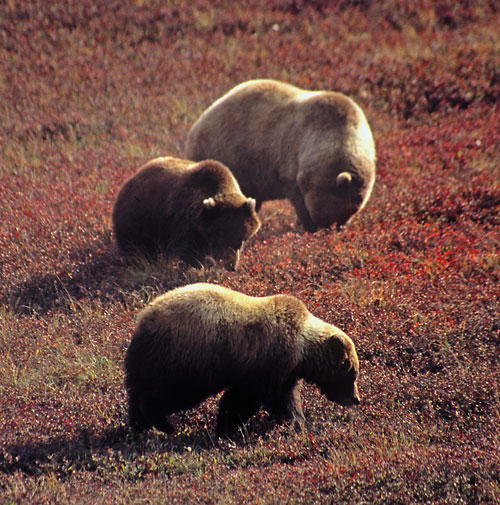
[(345, 396), (346, 401), (231, 259)]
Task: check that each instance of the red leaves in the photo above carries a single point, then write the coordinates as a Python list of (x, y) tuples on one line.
[(413, 279)]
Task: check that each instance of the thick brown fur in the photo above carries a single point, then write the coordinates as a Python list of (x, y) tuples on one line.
[(198, 340), (312, 148), (195, 211)]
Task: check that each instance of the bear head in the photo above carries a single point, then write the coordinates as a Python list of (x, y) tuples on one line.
[(227, 217), (341, 386), (336, 159), (332, 200), (228, 220)]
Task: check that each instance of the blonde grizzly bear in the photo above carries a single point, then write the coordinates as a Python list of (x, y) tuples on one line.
[(198, 340), (195, 211), (314, 148)]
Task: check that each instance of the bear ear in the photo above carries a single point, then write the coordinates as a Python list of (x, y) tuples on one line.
[(343, 179), (209, 203), (251, 203)]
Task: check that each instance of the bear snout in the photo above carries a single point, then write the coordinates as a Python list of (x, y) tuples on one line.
[(345, 396), (231, 259), (347, 402)]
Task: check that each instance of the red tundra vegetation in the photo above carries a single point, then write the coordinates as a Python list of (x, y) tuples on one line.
[(90, 90)]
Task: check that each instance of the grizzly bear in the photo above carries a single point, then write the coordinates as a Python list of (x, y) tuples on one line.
[(195, 211), (314, 148), (200, 339)]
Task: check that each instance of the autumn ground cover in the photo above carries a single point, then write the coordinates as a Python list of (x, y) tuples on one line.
[(89, 91)]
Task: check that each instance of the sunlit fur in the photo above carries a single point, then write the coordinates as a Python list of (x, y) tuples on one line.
[(197, 340), (284, 142)]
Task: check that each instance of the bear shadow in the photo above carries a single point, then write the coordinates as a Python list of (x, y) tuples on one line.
[(89, 451), (99, 273), (33, 458)]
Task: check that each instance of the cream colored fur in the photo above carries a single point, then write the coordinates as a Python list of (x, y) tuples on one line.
[(284, 142)]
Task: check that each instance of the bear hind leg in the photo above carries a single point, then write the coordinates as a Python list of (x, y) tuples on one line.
[(136, 418), (155, 412), (145, 412)]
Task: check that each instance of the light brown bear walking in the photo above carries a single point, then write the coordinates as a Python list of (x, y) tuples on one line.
[(314, 148), (195, 211), (198, 340)]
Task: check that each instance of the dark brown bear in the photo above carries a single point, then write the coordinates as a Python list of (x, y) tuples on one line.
[(198, 340), (314, 148), (195, 211)]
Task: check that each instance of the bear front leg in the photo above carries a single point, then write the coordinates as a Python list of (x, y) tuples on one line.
[(288, 407), (303, 213), (236, 407)]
